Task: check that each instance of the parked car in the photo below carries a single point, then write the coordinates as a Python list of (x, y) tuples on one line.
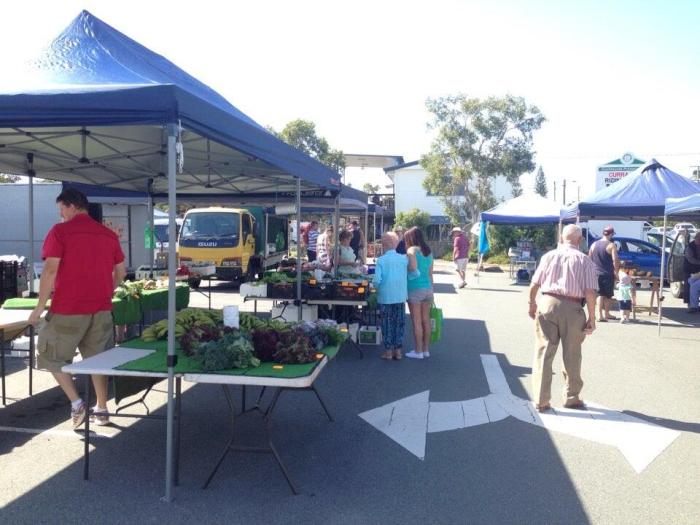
[(659, 230), (638, 253), (676, 275), (655, 238), (684, 226)]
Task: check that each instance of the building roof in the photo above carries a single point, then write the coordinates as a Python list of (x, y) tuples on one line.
[(402, 166), (356, 160)]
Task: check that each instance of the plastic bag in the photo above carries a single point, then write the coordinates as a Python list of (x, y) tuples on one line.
[(435, 324)]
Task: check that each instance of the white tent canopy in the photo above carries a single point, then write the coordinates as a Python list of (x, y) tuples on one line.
[(525, 209)]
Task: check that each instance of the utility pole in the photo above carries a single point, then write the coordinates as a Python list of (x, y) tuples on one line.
[(554, 192), (563, 192)]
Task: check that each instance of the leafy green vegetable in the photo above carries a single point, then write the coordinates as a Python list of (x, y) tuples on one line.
[(233, 350)]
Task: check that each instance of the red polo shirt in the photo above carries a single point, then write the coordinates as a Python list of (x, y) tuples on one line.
[(88, 252)]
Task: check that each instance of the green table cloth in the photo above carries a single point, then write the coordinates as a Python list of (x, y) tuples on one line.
[(128, 310), (156, 362), (158, 299)]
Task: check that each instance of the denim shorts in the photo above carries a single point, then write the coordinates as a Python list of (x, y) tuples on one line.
[(626, 305), (421, 295)]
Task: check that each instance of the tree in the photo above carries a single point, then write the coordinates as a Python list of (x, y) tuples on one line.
[(414, 217), (302, 135), (476, 141), (541, 183), (368, 187), (8, 178), (516, 189)]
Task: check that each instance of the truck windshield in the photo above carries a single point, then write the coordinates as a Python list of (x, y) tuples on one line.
[(211, 227)]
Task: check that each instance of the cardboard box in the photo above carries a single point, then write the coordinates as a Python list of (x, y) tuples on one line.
[(288, 312)]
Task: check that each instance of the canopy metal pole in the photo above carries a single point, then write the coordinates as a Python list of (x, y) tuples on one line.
[(661, 278), (298, 205), (152, 226), (30, 222), (366, 235), (381, 231), (266, 236), (172, 272), (336, 234), (374, 232)]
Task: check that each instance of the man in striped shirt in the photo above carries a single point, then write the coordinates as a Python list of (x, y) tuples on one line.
[(567, 278), (313, 238)]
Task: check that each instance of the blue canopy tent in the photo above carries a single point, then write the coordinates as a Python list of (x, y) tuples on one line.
[(641, 195), (683, 208), (98, 108)]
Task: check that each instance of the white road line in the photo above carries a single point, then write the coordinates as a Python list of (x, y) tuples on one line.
[(407, 421)]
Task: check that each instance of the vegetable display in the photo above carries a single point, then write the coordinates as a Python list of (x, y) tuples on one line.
[(232, 350), (203, 336), (185, 320)]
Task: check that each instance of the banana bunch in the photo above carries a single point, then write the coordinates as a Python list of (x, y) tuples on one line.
[(185, 320), (156, 331)]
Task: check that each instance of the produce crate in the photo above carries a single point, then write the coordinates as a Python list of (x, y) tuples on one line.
[(8, 280), (351, 291), (314, 289), (281, 290), (370, 335)]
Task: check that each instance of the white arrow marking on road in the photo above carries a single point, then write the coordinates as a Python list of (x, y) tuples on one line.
[(408, 420)]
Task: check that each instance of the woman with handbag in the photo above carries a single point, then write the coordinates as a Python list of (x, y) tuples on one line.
[(420, 291)]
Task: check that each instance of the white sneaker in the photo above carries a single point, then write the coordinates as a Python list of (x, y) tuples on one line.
[(624, 320), (99, 416), (414, 355), (426, 355)]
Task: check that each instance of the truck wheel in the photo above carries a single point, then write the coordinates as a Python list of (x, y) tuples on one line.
[(677, 289), (194, 283)]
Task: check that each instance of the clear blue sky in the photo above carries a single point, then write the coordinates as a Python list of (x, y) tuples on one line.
[(610, 76)]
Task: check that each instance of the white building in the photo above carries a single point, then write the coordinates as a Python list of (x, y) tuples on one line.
[(409, 192)]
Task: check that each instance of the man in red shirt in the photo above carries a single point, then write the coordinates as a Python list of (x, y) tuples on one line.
[(460, 254), (83, 264)]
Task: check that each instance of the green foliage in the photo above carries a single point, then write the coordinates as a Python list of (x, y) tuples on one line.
[(414, 217), (503, 237), (233, 350), (368, 187), (477, 140), (5, 178), (541, 183), (302, 135), (516, 189)]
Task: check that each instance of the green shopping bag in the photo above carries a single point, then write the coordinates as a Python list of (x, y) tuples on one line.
[(435, 324)]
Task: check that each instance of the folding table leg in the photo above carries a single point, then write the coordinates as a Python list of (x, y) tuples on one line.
[(86, 436), (323, 405), (31, 358), (2, 364)]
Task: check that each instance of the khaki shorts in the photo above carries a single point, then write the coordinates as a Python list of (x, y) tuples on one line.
[(60, 335), (461, 264)]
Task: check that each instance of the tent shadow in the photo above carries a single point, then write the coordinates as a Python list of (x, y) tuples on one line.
[(682, 426)]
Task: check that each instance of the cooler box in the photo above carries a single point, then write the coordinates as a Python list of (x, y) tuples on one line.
[(370, 335), (253, 290)]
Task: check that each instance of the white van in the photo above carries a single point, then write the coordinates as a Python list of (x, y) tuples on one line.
[(160, 232)]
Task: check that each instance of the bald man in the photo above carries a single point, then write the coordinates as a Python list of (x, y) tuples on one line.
[(567, 279)]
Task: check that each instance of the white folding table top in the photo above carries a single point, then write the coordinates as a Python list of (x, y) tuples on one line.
[(106, 363), (284, 382), (13, 319)]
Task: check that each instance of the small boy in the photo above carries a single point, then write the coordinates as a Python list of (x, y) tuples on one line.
[(626, 295), (390, 280)]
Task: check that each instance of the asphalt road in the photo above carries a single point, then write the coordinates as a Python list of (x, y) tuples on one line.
[(349, 472)]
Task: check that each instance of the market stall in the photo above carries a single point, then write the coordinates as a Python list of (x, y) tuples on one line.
[(98, 108)]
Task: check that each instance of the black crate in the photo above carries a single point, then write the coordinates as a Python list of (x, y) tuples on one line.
[(281, 290), (350, 291), (316, 291), (8, 280)]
